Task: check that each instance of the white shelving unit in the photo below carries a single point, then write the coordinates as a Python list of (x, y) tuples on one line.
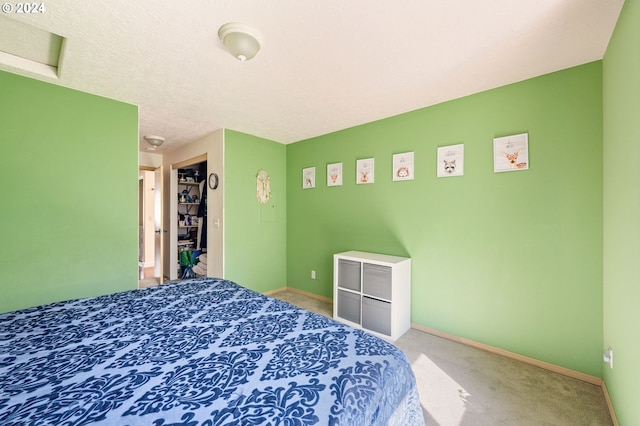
[(373, 292)]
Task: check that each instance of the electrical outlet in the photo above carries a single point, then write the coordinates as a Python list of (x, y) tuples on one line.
[(313, 274), (608, 357)]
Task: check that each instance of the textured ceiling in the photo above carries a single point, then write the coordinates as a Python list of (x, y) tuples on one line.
[(324, 65)]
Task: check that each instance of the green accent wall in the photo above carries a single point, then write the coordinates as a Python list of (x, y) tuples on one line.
[(255, 243), (513, 259), (69, 191), (621, 77)]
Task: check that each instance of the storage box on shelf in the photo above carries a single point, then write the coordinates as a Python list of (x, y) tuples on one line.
[(373, 292)]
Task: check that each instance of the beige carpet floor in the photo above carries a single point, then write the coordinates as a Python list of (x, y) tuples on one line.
[(464, 386)]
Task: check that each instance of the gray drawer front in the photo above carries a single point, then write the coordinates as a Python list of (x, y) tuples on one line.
[(349, 274), (376, 315), (377, 280), (349, 306)]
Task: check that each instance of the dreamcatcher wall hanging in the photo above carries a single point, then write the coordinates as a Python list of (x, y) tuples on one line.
[(263, 186)]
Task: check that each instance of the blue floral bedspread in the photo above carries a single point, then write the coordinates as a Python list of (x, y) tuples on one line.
[(198, 352)]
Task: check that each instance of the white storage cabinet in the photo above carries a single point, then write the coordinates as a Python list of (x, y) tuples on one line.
[(373, 292)]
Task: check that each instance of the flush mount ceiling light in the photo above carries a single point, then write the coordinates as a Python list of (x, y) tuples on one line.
[(154, 141), (242, 41)]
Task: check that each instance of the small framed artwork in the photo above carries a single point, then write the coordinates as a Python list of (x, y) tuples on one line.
[(511, 153), (309, 178), (334, 174), (403, 166), (365, 171), (450, 160)]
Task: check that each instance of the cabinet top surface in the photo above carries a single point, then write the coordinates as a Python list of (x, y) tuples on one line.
[(374, 257)]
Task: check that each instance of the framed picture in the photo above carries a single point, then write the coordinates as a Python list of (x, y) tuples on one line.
[(403, 166), (334, 174), (450, 160), (511, 153), (365, 171), (309, 178)]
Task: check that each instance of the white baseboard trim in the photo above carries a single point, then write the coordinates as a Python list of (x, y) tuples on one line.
[(542, 364), (303, 292), (607, 398), (277, 290)]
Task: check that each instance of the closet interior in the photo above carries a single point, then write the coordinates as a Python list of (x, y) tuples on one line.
[(192, 221)]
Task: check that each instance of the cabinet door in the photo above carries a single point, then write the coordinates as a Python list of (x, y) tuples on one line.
[(349, 274), (349, 306), (376, 281), (376, 315)]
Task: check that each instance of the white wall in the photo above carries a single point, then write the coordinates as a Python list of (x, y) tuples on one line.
[(149, 159), (148, 217)]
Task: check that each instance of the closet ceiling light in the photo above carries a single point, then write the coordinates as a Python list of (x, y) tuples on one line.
[(242, 41), (154, 141)]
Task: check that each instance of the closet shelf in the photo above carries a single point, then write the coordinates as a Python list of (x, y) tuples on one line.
[(190, 200)]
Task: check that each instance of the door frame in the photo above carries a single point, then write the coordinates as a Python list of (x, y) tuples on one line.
[(173, 210), (158, 220)]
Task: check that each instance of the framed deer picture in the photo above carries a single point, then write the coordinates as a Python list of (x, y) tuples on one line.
[(511, 153)]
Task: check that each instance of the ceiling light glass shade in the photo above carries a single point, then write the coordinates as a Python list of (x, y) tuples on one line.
[(240, 40), (154, 141)]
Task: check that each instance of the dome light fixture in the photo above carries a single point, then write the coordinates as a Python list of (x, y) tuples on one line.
[(242, 41), (154, 141)]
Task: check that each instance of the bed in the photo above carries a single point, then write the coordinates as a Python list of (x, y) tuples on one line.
[(198, 352)]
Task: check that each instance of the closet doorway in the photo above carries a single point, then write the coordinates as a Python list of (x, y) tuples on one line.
[(188, 219), (150, 230)]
